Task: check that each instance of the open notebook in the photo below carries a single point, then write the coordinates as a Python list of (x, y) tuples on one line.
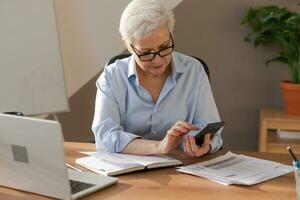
[(112, 164)]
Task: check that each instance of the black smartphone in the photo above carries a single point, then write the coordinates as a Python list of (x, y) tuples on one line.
[(209, 128)]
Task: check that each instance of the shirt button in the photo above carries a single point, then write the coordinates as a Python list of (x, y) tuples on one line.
[(154, 132)]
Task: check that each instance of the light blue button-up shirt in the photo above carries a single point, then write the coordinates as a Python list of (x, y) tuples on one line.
[(124, 110)]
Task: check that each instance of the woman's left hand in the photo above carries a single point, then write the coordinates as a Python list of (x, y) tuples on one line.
[(192, 149)]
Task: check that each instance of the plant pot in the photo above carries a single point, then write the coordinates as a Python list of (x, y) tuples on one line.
[(291, 97)]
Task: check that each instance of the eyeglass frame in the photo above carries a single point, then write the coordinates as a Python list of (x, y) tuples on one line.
[(154, 53)]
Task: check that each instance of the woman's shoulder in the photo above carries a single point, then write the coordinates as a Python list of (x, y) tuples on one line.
[(115, 72), (189, 62), (182, 56), (119, 66)]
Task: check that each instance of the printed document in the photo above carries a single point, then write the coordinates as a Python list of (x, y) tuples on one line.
[(237, 169)]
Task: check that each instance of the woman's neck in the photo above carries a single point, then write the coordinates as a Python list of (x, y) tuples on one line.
[(148, 76)]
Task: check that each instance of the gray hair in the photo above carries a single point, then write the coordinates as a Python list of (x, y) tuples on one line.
[(141, 17)]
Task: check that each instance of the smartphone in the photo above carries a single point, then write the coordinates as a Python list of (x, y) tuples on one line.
[(211, 128)]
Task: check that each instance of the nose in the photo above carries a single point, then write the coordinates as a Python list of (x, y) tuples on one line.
[(157, 59)]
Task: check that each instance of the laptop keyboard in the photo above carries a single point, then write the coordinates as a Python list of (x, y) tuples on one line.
[(77, 186)]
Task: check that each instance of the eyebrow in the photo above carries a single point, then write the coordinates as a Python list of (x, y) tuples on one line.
[(162, 45)]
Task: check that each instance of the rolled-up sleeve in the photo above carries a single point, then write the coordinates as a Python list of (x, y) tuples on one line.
[(109, 134), (216, 143)]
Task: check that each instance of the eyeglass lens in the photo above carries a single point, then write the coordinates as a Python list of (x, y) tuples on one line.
[(161, 53)]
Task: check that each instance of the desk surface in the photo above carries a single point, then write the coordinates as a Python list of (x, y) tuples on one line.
[(168, 184)]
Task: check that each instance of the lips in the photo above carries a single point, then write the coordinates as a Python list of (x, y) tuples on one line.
[(159, 66)]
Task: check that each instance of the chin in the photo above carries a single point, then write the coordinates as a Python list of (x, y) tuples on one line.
[(158, 71)]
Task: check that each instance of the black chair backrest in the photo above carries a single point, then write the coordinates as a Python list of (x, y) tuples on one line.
[(117, 57), (121, 56)]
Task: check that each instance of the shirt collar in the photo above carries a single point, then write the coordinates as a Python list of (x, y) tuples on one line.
[(131, 67), (177, 65), (132, 73)]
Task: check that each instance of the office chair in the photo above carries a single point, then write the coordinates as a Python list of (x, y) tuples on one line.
[(121, 56)]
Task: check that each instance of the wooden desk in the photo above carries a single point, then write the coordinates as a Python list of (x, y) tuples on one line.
[(168, 184)]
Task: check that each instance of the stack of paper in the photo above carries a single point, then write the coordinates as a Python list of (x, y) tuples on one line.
[(237, 169), (288, 134)]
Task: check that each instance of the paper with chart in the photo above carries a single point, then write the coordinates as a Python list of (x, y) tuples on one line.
[(237, 169)]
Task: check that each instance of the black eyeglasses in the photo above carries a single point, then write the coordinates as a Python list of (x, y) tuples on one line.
[(150, 56)]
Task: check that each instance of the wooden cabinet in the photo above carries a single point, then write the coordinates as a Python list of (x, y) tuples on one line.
[(272, 119)]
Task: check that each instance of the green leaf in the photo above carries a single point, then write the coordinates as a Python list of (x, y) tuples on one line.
[(263, 39), (248, 39), (256, 28), (250, 15), (277, 59), (274, 25)]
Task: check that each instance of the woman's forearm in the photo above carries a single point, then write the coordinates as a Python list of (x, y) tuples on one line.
[(142, 147)]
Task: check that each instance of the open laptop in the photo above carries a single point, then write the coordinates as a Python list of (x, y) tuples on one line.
[(32, 159)]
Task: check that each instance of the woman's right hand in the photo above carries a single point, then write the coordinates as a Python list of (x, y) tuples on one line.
[(174, 136)]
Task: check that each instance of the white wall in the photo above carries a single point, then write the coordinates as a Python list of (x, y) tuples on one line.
[(89, 36)]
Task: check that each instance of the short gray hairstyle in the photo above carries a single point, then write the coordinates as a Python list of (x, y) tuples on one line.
[(141, 17)]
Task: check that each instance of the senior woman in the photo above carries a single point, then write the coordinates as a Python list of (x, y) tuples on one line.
[(147, 103)]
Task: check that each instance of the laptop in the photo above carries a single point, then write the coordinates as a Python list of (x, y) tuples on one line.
[(32, 159)]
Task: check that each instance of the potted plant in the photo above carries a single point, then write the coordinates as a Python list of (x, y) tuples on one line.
[(274, 25)]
